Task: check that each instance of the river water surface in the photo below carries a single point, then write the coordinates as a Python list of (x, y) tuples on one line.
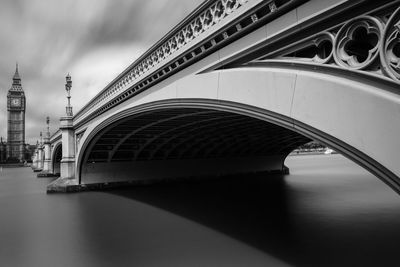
[(327, 212)]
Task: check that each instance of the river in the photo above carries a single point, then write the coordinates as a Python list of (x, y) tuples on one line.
[(327, 212)]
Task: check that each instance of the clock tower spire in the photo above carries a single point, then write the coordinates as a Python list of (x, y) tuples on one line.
[(16, 120)]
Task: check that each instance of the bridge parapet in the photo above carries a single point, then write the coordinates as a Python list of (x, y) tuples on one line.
[(211, 26), (55, 136)]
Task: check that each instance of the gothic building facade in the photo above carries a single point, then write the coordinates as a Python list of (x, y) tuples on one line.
[(14, 150)]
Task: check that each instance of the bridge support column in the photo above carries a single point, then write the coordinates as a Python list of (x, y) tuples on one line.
[(34, 160), (38, 160), (47, 166), (68, 148), (67, 179), (40, 157)]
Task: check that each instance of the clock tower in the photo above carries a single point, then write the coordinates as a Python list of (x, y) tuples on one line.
[(16, 120)]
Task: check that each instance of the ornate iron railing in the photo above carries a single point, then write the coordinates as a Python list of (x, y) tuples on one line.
[(203, 31)]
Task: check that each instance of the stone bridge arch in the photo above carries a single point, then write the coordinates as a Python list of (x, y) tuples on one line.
[(355, 113), (56, 155)]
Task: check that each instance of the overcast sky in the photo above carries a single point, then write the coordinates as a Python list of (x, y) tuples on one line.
[(93, 40)]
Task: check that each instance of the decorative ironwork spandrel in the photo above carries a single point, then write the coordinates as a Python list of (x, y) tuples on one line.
[(390, 47)]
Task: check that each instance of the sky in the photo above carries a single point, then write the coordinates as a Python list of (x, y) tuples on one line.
[(93, 40)]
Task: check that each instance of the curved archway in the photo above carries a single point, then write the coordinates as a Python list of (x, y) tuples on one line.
[(354, 113), (56, 157), (185, 129)]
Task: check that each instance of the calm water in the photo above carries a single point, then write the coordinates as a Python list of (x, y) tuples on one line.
[(327, 212)]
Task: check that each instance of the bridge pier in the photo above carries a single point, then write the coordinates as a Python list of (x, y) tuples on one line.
[(67, 180), (68, 152), (34, 160), (47, 170), (38, 164), (40, 157)]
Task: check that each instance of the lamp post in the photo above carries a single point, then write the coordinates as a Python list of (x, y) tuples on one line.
[(67, 164), (40, 153), (48, 126), (47, 170), (68, 86)]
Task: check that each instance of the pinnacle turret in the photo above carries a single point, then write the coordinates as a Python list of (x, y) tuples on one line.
[(16, 84), (16, 75)]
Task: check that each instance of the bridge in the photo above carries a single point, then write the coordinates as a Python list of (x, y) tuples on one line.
[(234, 88)]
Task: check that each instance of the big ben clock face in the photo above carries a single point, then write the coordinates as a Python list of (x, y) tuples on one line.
[(15, 102)]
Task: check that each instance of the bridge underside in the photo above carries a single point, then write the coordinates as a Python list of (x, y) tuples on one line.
[(56, 163), (186, 142)]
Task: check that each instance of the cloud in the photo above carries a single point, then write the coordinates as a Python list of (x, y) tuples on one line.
[(106, 62), (94, 40)]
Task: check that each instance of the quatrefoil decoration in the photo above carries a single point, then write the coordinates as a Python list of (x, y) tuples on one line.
[(323, 44), (390, 48), (357, 43)]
